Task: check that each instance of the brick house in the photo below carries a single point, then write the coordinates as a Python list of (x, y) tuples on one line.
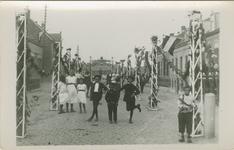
[(41, 44), (168, 77)]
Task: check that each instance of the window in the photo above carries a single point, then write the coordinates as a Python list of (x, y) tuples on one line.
[(168, 69), (158, 68), (181, 63), (161, 69), (176, 63), (164, 68)]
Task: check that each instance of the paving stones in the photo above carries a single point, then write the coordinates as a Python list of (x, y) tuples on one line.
[(149, 127)]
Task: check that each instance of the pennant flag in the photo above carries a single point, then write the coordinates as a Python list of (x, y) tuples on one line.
[(169, 43)]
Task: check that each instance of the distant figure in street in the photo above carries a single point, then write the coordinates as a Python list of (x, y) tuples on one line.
[(63, 94), (112, 103), (82, 89), (104, 80), (96, 95), (100, 71), (78, 76), (71, 81), (143, 81), (186, 103), (108, 78), (129, 97), (87, 82)]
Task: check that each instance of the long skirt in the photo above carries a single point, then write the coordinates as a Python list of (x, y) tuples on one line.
[(82, 97), (72, 94), (63, 98)]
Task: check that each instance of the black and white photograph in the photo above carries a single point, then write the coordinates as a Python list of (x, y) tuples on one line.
[(115, 73)]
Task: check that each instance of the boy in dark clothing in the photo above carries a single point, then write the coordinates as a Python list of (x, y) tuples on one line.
[(112, 103), (96, 95), (129, 96)]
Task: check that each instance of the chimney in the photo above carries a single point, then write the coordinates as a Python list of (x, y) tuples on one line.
[(43, 25)]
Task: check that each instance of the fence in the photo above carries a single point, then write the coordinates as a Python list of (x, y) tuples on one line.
[(210, 84)]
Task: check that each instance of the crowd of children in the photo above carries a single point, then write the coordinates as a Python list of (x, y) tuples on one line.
[(75, 88), (72, 90)]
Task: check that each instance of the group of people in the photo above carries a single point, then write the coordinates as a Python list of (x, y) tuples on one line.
[(73, 89)]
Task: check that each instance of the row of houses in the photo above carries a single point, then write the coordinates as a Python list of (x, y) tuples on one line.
[(167, 76), (41, 45)]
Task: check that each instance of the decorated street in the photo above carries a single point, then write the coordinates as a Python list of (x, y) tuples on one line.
[(46, 127)]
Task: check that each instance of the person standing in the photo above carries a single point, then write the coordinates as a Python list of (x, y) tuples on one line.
[(82, 89), (108, 78), (129, 96), (71, 87), (78, 76), (104, 78), (112, 103), (96, 95), (185, 104), (87, 82), (63, 94), (143, 82)]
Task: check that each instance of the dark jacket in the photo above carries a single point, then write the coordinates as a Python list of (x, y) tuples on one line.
[(112, 97), (130, 91), (98, 95), (87, 80), (117, 87)]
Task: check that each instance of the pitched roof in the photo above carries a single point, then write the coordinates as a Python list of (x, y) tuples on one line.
[(56, 36), (42, 29)]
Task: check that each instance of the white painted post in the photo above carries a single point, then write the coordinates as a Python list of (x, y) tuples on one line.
[(209, 115)]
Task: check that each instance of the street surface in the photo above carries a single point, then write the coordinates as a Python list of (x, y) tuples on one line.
[(47, 127)]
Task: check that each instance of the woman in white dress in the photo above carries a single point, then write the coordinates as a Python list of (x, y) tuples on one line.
[(82, 89), (71, 87), (63, 94)]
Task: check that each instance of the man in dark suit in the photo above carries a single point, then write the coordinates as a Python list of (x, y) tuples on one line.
[(96, 95)]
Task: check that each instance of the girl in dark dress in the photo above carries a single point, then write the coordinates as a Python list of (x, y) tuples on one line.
[(129, 97)]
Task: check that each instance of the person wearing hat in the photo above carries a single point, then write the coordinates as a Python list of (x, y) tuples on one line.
[(112, 102), (96, 95), (129, 96)]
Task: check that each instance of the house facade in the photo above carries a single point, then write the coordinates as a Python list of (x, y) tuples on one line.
[(168, 77), (41, 45)]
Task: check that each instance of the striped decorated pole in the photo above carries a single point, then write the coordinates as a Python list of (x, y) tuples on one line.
[(21, 83), (129, 66), (139, 55), (122, 71), (154, 75), (196, 34)]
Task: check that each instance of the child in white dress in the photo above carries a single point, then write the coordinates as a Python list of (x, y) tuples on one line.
[(63, 94), (82, 89)]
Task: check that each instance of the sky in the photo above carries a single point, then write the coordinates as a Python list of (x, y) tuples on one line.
[(113, 29)]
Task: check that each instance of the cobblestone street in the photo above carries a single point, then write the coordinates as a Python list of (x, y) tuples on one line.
[(149, 127)]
